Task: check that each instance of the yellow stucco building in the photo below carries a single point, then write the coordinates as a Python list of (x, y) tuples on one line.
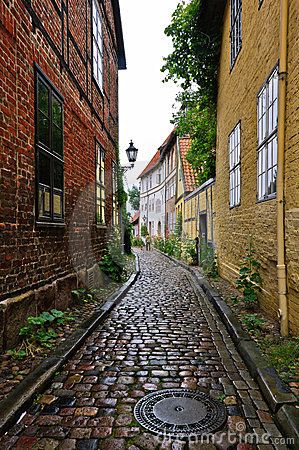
[(257, 188)]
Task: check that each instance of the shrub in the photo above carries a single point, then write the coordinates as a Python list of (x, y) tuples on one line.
[(137, 242), (159, 243), (189, 251), (249, 277), (143, 230), (113, 262), (208, 260)]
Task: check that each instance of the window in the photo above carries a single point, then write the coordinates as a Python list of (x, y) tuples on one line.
[(49, 152), (158, 206), (97, 39), (235, 166), (159, 177), (235, 30), (267, 137), (100, 184), (114, 195)]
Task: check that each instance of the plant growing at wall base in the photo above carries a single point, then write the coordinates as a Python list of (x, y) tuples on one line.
[(39, 332), (189, 252), (208, 260), (253, 322), (113, 261), (249, 280)]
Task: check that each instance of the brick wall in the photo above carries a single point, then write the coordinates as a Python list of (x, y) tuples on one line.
[(60, 43), (237, 101)]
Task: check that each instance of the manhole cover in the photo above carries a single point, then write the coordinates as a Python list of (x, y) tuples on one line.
[(180, 412)]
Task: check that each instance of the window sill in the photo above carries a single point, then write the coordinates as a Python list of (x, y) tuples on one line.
[(101, 226), (50, 224), (234, 206), (269, 197)]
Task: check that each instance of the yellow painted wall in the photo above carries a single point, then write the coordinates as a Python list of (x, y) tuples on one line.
[(237, 101)]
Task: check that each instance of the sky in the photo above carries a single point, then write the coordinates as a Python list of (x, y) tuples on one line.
[(145, 102)]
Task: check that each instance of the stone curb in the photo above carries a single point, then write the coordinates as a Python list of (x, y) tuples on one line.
[(278, 395), (21, 396)]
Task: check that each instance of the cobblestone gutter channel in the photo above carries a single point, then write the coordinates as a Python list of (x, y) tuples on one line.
[(278, 395), (164, 334)]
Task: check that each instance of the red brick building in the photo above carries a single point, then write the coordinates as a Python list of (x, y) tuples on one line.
[(58, 137)]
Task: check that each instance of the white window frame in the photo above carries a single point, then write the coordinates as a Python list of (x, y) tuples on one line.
[(235, 166), (235, 30), (267, 123), (97, 44)]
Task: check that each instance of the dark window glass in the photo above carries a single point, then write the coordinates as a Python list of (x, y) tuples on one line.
[(44, 169), (57, 143), (58, 175), (57, 112), (49, 148), (43, 98), (43, 129)]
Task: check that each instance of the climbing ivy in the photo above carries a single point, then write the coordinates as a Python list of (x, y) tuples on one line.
[(193, 64)]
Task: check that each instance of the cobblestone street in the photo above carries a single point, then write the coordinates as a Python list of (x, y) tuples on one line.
[(160, 336)]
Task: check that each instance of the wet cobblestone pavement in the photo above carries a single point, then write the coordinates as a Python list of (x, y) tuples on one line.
[(160, 336)]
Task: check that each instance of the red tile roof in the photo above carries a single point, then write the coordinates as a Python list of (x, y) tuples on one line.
[(188, 172), (151, 164), (157, 155), (135, 217)]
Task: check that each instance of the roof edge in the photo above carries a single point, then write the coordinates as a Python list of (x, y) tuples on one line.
[(121, 55), (201, 188)]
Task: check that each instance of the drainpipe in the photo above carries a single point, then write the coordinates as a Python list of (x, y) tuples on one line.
[(281, 263)]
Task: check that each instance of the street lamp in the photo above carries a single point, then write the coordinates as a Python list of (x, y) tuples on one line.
[(132, 156)]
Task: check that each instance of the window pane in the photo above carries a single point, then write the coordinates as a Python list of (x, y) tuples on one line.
[(57, 140), (43, 98), (57, 112), (44, 204), (44, 169), (43, 129), (58, 175), (57, 204)]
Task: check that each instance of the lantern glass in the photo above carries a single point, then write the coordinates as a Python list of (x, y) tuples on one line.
[(132, 153)]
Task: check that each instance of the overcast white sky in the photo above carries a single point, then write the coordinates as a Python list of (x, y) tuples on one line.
[(145, 103)]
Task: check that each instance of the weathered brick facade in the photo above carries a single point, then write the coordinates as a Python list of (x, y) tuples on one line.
[(40, 264), (238, 88)]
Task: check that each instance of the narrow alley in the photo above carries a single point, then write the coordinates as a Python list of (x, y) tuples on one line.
[(161, 336)]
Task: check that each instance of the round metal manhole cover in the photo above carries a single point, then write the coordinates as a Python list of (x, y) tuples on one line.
[(180, 412)]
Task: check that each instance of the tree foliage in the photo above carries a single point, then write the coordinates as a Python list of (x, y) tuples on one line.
[(134, 197), (193, 64)]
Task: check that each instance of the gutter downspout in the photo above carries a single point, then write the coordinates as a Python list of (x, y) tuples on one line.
[(281, 263)]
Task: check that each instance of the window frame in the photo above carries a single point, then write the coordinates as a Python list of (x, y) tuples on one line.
[(95, 5), (235, 167), (270, 137), (115, 219), (236, 40), (101, 185), (41, 148)]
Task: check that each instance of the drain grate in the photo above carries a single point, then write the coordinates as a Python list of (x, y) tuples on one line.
[(180, 412)]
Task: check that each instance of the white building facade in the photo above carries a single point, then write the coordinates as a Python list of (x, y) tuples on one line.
[(152, 197)]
